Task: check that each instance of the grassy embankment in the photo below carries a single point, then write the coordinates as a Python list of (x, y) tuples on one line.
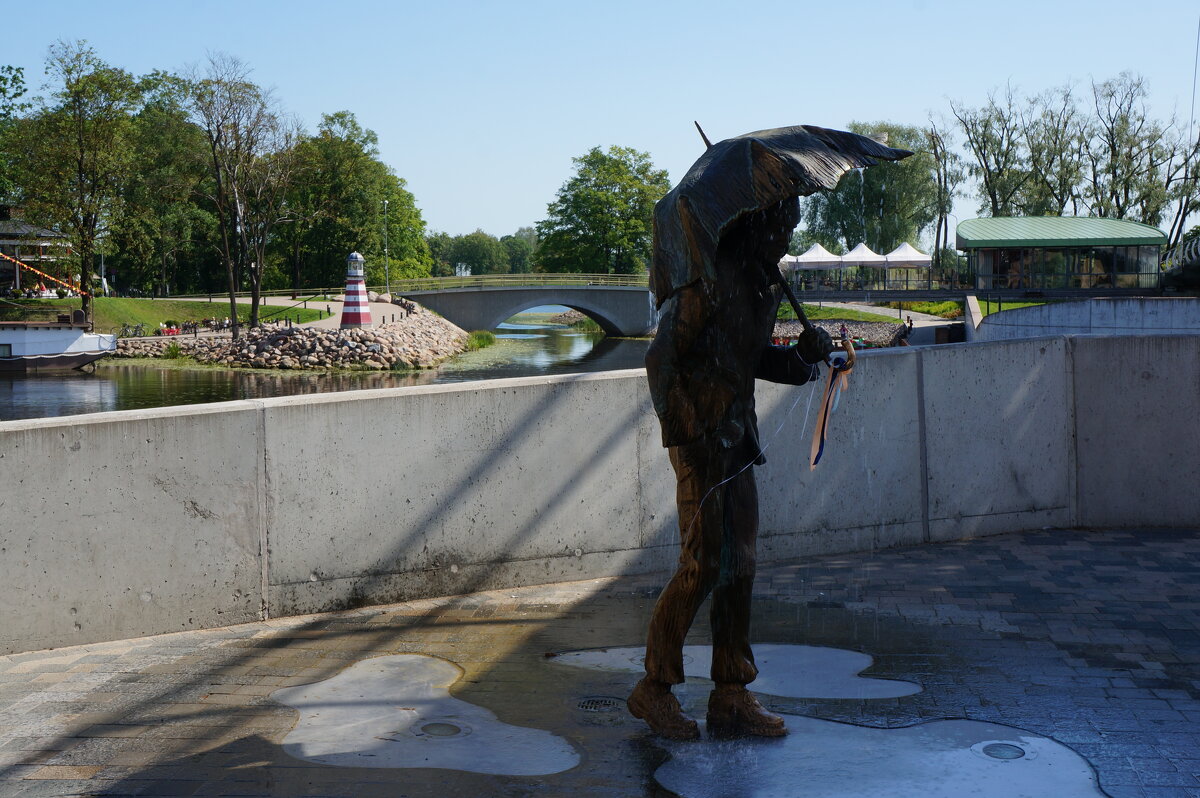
[(111, 313), (986, 307), (947, 310), (817, 313), (954, 310)]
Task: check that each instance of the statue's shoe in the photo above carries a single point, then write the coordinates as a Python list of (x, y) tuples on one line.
[(654, 703), (733, 711)]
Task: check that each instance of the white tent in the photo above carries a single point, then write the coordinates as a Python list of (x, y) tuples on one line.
[(817, 257), (863, 256), (906, 256)]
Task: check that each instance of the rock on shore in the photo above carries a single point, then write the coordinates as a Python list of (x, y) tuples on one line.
[(420, 340), (881, 333)]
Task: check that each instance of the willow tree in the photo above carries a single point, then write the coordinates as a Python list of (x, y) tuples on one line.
[(884, 206), (994, 136)]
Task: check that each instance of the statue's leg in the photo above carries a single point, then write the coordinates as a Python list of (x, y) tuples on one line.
[(732, 709), (699, 551), (698, 471), (733, 661)]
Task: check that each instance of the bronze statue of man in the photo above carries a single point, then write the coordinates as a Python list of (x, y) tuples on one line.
[(719, 236)]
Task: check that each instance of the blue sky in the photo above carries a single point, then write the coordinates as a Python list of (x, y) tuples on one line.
[(481, 106)]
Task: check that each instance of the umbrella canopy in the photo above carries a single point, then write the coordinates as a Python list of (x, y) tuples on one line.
[(817, 257), (740, 176), (906, 256), (863, 256)]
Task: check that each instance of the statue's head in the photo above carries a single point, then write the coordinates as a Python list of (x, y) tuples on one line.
[(764, 235)]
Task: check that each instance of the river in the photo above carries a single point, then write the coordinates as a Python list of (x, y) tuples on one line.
[(527, 345)]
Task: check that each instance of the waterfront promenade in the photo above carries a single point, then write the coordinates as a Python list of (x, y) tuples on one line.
[(1090, 638)]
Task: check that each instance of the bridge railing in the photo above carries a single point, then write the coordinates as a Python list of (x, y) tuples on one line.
[(442, 283), (516, 281)]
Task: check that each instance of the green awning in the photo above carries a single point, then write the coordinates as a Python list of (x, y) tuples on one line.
[(1055, 231)]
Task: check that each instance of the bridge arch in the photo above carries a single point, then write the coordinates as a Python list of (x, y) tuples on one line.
[(623, 311)]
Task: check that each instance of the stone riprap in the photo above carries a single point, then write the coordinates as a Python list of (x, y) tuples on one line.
[(420, 340), (883, 333)]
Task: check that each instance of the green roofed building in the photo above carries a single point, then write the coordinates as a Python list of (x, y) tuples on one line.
[(1060, 252)]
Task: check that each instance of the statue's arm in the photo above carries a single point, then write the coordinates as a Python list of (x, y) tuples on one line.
[(783, 364), (795, 365)]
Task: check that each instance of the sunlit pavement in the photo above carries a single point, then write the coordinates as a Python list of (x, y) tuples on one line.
[(1080, 650)]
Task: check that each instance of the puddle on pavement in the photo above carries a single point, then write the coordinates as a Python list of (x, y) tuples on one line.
[(788, 671), (825, 759), (397, 712)]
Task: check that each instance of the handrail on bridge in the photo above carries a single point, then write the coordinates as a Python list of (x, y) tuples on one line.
[(517, 280), (440, 283)]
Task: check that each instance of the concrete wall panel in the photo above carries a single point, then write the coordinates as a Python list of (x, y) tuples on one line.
[(123, 524), (866, 491), (1115, 316), (442, 478), (998, 419), (1137, 403)]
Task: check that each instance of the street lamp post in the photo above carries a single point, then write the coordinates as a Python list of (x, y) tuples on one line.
[(387, 271)]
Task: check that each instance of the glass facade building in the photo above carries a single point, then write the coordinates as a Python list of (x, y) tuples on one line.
[(1060, 253)]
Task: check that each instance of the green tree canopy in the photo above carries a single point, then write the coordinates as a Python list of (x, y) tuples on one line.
[(75, 153), (480, 252), (336, 206), (884, 205), (602, 220)]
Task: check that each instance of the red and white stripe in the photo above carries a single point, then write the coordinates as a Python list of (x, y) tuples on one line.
[(355, 312)]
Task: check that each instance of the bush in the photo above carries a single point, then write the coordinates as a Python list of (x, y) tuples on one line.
[(587, 325), (947, 310), (480, 339), (172, 351)]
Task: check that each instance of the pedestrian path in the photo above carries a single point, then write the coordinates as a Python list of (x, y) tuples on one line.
[(1064, 644)]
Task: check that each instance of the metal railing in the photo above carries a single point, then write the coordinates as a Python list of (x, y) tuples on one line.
[(517, 281), (442, 283)]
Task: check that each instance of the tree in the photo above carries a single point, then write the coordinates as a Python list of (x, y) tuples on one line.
[(12, 88), (76, 152), (885, 205), (164, 237), (602, 219), (949, 175), (1131, 159), (1054, 132), (336, 206), (439, 245), (520, 253), (481, 252), (993, 135), (251, 160)]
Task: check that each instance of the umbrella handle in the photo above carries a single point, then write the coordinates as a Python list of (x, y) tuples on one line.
[(777, 276)]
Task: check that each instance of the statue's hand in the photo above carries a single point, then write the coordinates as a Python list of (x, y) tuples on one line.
[(814, 345)]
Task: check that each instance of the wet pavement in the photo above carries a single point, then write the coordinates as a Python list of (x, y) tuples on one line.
[(1070, 644)]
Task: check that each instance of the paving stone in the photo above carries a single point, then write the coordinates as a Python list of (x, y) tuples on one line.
[(1086, 637)]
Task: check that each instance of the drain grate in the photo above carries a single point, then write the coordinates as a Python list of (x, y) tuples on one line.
[(600, 703), (1003, 751)]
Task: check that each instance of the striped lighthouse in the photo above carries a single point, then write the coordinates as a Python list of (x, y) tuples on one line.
[(356, 313)]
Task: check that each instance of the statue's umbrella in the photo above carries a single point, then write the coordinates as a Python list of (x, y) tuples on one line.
[(742, 175)]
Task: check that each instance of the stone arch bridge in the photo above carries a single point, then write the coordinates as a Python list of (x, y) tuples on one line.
[(620, 304)]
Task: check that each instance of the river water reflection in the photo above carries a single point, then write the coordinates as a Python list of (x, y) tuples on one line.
[(526, 346)]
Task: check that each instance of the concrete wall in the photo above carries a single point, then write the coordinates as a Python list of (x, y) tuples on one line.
[(1114, 316), (122, 524)]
